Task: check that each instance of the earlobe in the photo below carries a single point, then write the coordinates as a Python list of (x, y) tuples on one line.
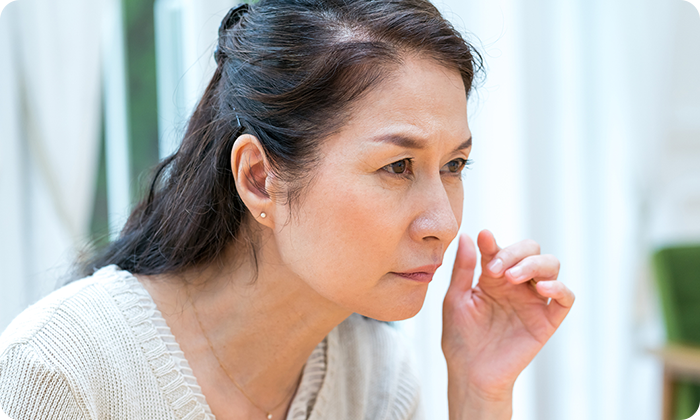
[(250, 171)]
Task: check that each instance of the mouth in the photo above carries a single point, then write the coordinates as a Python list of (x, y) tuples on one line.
[(420, 274)]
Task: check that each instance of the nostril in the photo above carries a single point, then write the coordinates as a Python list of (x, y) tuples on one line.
[(434, 225)]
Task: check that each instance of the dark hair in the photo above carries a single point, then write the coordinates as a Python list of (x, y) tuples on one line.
[(288, 72)]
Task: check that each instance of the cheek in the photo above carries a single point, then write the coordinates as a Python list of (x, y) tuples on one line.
[(457, 202), (341, 235)]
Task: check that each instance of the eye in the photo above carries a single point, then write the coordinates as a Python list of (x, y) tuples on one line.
[(456, 166), (400, 167)]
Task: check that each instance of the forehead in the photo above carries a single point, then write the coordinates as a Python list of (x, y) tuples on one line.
[(420, 99)]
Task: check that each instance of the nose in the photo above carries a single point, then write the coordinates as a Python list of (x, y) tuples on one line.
[(435, 218)]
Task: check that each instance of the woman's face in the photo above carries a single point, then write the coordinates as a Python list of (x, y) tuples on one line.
[(373, 226)]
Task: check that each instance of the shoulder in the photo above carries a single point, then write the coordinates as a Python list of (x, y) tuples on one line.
[(45, 346), (76, 326), (76, 306), (33, 388), (73, 342), (373, 370)]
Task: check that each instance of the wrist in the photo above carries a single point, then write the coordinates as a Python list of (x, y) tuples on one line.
[(467, 402)]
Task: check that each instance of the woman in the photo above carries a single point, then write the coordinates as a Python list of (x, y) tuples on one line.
[(319, 180)]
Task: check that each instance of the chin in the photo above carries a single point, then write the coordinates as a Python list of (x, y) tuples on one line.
[(398, 309)]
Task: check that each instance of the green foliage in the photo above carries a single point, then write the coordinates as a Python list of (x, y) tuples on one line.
[(677, 272), (143, 100), (99, 226), (139, 30)]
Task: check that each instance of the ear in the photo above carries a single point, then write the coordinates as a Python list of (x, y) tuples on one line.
[(252, 176)]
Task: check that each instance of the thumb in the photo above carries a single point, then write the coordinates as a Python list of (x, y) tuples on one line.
[(465, 262)]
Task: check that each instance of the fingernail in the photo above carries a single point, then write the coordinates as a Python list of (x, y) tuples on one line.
[(516, 272), (496, 265)]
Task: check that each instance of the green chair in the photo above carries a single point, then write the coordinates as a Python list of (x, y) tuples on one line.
[(677, 272)]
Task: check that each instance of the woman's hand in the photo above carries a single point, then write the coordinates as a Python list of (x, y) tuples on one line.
[(491, 332)]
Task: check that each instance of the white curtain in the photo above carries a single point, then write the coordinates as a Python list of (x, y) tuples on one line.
[(186, 35), (49, 137)]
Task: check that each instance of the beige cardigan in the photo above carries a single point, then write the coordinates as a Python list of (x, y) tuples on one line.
[(99, 349)]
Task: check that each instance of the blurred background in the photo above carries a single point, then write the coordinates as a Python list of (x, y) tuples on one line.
[(586, 139)]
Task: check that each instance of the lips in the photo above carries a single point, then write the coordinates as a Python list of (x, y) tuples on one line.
[(422, 274)]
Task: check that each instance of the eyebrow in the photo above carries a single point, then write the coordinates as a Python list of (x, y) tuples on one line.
[(467, 144), (409, 143)]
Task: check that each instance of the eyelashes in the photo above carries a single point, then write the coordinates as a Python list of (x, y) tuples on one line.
[(456, 166), (467, 165), (404, 167)]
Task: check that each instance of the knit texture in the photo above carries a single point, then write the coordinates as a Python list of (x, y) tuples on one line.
[(100, 349)]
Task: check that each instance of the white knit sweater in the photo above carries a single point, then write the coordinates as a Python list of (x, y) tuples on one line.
[(99, 349)]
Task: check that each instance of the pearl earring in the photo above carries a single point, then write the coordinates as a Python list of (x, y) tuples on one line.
[(263, 215)]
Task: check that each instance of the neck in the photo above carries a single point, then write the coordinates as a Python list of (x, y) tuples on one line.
[(262, 328)]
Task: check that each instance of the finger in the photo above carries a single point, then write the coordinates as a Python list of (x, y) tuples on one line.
[(562, 300), (538, 267), (465, 262), (510, 256), (487, 246)]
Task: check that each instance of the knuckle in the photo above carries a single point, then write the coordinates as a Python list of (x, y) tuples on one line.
[(554, 263), (531, 264), (506, 255), (534, 245)]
